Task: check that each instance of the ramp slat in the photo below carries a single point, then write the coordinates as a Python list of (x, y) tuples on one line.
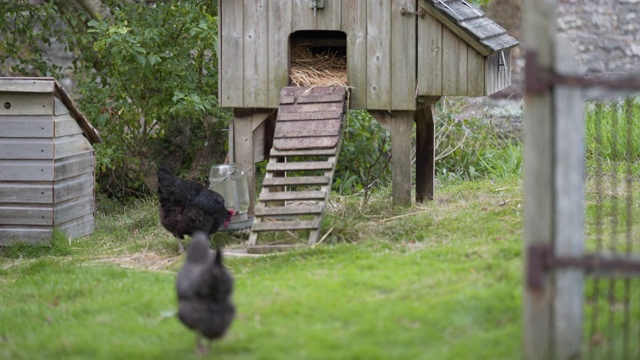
[(286, 225), (292, 195), (300, 166), (299, 180), (289, 210)]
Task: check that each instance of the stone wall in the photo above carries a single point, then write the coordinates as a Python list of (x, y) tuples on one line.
[(604, 33)]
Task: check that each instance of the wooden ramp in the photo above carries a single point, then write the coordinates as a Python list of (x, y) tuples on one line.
[(302, 161)]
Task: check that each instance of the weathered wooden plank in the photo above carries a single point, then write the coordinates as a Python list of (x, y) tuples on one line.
[(354, 23), (306, 143), (430, 54), (311, 107), (295, 181), (26, 214), (303, 18), (280, 26), (26, 192), (569, 224), (231, 54), (293, 195), (453, 26), (78, 227), (302, 91), (321, 98), (300, 166), (89, 131), (256, 45), (491, 74), (378, 54), (12, 234), (28, 85), (475, 73), (26, 170), (59, 108), (287, 99), (454, 65), (330, 18), (74, 208), (482, 28), (244, 146), (403, 57), (71, 145), (28, 148), (313, 152), (459, 11), (65, 125), (285, 225), (26, 126), (73, 187), (26, 104), (539, 216), (74, 166), (289, 210), (318, 115), (303, 133), (328, 127), (401, 129)]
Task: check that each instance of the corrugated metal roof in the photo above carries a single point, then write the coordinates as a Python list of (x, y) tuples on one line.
[(482, 33)]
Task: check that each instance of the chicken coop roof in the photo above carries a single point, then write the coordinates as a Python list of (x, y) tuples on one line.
[(51, 85), (471, 24)]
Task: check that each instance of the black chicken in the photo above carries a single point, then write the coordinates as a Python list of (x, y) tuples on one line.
[(186, 207), (204, 289)]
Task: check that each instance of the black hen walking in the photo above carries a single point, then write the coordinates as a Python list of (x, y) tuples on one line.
[(187, 207), (204, 289)]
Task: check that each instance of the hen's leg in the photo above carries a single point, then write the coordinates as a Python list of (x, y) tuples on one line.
[(201, 347), (180, 247)]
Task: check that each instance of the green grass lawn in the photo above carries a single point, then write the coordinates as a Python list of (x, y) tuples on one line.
[(440, 280)]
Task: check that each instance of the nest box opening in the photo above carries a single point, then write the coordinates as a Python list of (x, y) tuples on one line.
[(318, 58)]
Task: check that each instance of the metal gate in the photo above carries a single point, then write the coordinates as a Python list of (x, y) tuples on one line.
[(582, 208)]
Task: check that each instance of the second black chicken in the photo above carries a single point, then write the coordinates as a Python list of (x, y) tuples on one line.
[(187, 206)]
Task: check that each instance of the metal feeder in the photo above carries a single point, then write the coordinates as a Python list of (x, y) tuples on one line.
[(230, 181)]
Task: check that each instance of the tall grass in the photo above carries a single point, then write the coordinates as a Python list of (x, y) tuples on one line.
[(612, 131), (472, 148)]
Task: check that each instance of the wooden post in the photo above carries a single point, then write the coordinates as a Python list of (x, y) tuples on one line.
[(539, 213), (568, 106), (245, 152), (425, 151), (554, 187), (401, 126)]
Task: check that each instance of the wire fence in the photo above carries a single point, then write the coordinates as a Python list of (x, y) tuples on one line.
[(612, 304)]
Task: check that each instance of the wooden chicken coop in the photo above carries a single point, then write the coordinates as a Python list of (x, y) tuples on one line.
[(47, 162), (400, 57)]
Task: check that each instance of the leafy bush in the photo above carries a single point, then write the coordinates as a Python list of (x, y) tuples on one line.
[(473, 148), (147, 79), (465, 149), (156, 98)]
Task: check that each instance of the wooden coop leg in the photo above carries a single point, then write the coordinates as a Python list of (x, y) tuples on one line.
[(399, 123), (425, 153), (401, 126), (249, 144)]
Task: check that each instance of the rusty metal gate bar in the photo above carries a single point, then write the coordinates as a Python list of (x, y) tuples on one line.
[(610, 275)]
